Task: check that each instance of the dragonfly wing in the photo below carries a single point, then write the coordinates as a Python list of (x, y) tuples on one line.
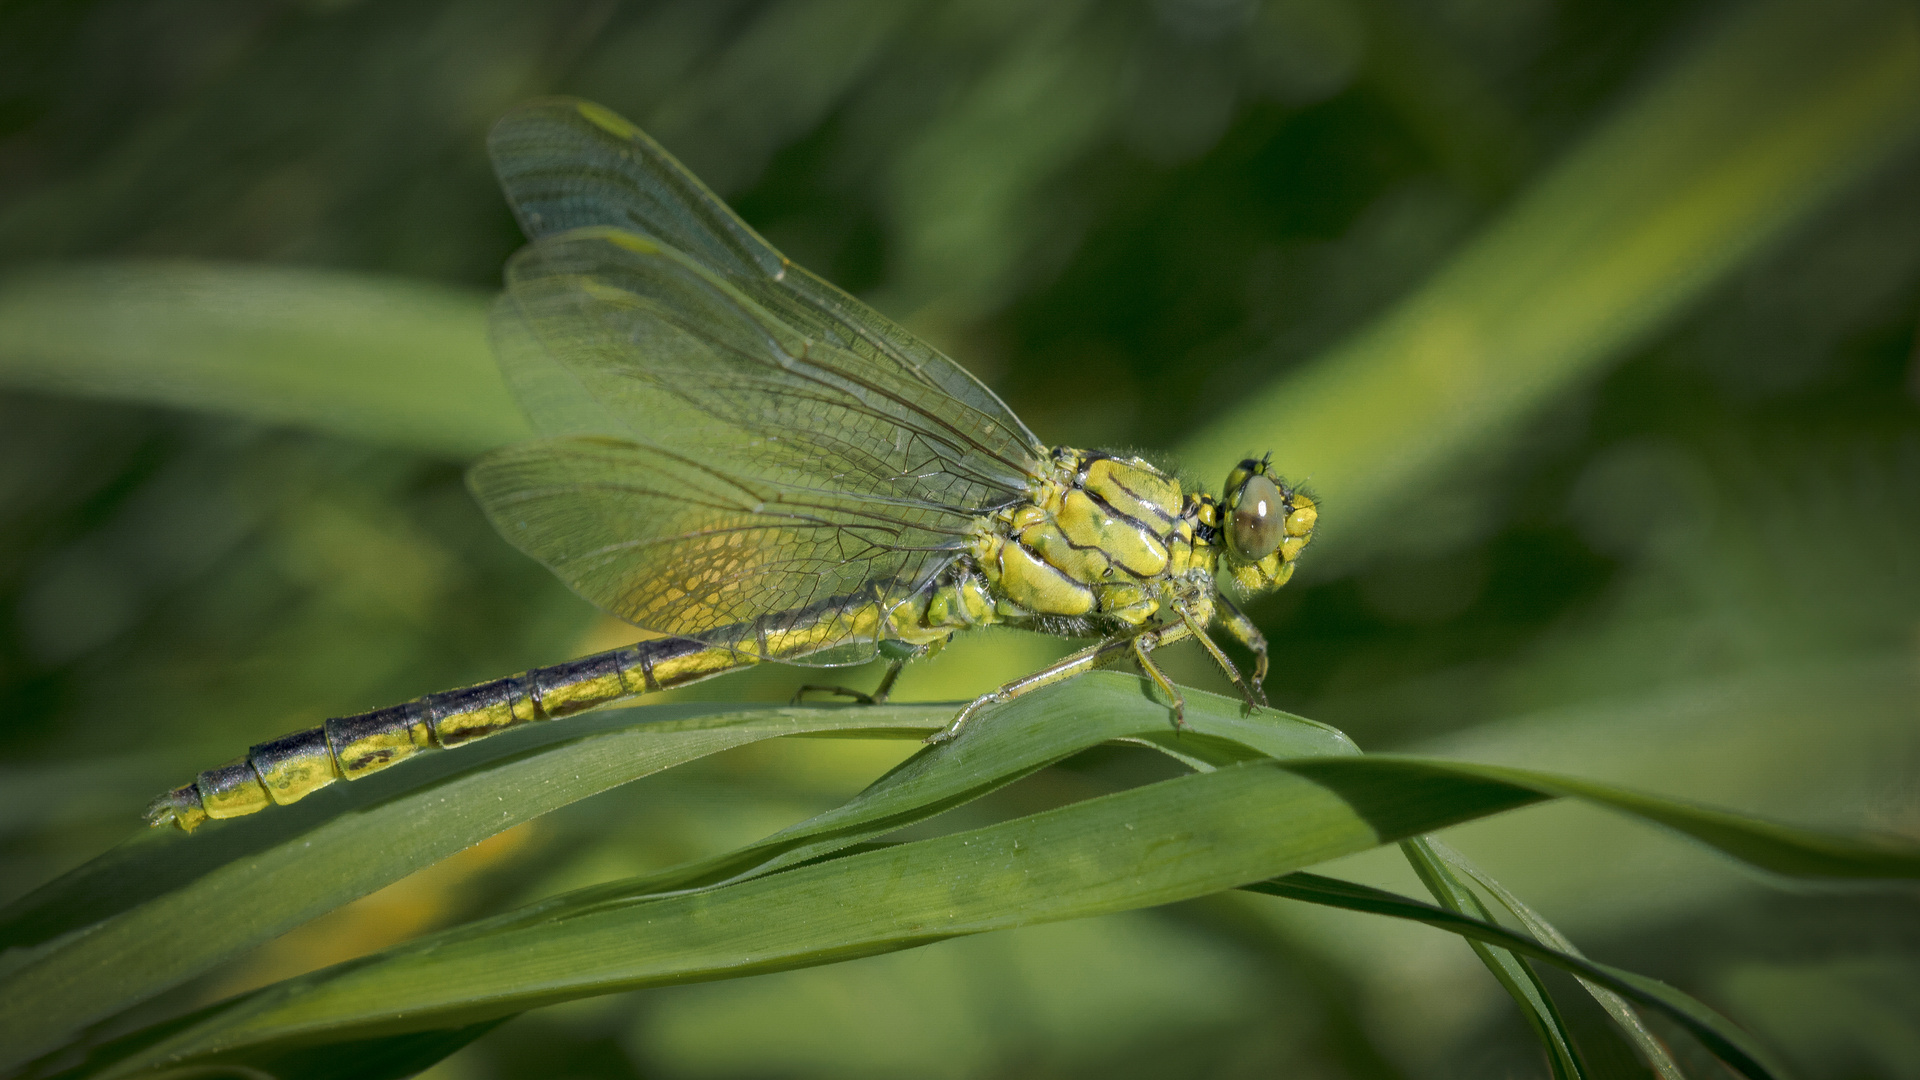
[(566, 164), (671, 354), (744, 474), (553, 398), (674, 545)]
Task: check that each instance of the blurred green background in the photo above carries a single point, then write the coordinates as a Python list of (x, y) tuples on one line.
[(1593, 323)]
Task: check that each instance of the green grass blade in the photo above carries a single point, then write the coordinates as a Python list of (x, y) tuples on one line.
[(388, 1057), (1617, 1007), (1151, 845), (165, 906), (388, 360), (269, 872), (1717, 1033), (1002, 746), (1513, 974), (263, 874), (1744, 138), (1390, 787)]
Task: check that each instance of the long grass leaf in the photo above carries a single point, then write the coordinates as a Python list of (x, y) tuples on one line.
[(1391, 786), (272, 871), (1151, 845), (1513, 974), (1651, 1050), (389, 360), (258, 878), (1717, 1033), (1003, 746), (165, 906)]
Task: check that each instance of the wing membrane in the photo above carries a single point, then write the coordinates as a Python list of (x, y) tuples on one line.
[(751, 481), (674, 545), (567, 164), (672, 355), (750, 450)]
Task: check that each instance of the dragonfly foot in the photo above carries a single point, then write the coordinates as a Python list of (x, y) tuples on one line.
[(857, 696), (974, 706)]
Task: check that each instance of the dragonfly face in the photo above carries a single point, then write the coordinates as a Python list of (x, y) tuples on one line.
[(742, 457), (1265, 523)]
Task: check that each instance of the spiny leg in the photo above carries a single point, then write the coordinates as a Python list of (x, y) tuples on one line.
[(1246, 633), (878, 697), (1143, 646), (885, 688), (1219, 657), (897, 653), (1061, 670), (1066, 668)]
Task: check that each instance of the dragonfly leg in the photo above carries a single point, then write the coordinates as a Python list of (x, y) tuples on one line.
[(1219, 657), (1065, 668), (1246, 633), (878, 697), (1079, 664), (1143, 646), (858, 697)]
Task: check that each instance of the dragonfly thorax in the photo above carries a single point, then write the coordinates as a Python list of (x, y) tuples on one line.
[(1106, 544)]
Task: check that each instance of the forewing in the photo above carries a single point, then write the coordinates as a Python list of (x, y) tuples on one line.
[(675, 545), (567, 164), (671, 355)]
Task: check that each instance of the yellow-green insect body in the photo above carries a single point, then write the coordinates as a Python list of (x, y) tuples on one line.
[(745, 459)]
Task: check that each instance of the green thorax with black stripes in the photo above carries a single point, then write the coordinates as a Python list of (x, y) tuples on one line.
[(1102, 544)]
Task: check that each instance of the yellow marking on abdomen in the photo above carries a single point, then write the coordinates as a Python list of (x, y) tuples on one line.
[(294, 766)]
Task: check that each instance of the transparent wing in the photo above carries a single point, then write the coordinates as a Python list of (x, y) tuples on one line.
[(752, 450), (673, 544), (566, 164), (658, 349), (749, 477)]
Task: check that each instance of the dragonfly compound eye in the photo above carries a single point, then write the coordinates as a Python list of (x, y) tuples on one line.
[(1258, 518)]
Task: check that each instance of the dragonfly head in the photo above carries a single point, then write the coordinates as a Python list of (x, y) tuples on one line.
[(1266, 523)]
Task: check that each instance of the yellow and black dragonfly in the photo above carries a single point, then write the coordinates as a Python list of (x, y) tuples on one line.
[(741, 456)]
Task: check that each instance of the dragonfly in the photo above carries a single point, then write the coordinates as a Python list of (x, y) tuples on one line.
[(741, 457)]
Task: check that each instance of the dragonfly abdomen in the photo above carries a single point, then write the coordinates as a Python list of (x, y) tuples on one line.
[(288, 769)]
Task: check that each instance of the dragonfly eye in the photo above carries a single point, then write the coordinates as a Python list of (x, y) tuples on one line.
[(1258, 518)]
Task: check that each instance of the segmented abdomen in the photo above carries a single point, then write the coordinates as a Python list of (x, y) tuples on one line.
[(287, 769)]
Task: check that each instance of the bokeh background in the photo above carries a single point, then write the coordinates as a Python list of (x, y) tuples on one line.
[(1592, 322)]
